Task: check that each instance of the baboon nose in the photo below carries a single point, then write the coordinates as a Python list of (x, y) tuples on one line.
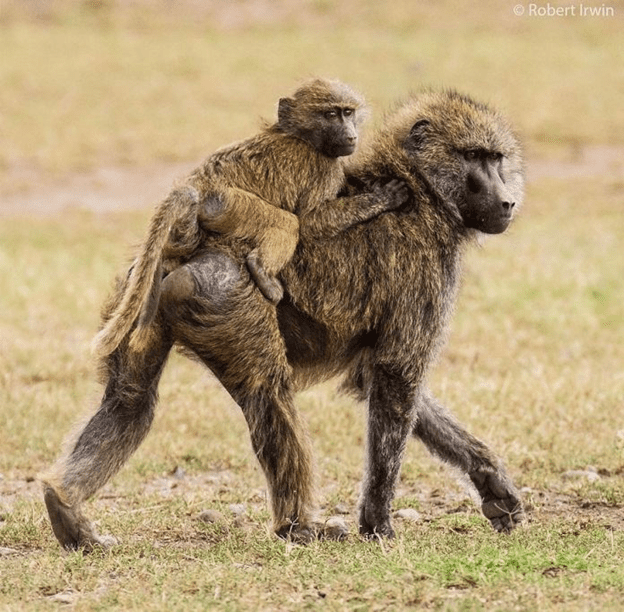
[(508, 206)]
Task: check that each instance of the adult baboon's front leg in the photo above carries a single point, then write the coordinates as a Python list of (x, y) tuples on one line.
[(390, 415), (112, 434), (446, 438)]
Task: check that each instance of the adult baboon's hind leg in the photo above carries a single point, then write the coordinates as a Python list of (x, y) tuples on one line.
[(217, 312), (446, 438), (112, 434)]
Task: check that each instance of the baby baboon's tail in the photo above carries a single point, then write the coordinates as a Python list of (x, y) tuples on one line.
[(143, 285)]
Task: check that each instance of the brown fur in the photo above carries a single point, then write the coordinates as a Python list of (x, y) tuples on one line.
[(251, 191), (371, 304)]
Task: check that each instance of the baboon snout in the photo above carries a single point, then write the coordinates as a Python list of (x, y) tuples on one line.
[(488, 187), (489, 204), (508, 206)]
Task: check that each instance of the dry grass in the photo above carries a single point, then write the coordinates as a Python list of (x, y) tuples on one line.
[(534, 362)]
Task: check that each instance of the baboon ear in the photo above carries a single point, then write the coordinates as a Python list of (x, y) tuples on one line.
[(285, 109), (417, 135)]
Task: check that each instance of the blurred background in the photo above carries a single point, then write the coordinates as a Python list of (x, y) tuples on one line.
[(87, 84), (104, 103)]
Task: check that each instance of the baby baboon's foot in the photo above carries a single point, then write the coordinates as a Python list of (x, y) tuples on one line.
[(70, 527), (375, 524), (500, 502), (271, 288)]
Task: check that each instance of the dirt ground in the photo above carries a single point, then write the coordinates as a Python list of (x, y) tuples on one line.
[(543, 507)]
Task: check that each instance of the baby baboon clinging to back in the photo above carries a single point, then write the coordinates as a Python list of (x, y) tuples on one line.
[(371, 304), (253, 191)]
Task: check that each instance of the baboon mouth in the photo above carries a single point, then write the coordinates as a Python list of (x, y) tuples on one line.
[(497, 225), (344, 150)]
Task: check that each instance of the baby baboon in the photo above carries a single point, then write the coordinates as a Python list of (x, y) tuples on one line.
[(372, 304), (253, 191)]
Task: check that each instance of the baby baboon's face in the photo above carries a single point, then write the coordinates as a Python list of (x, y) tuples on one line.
[(337, 131), (326, 114)]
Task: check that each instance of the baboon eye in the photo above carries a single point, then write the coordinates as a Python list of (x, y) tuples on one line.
[(347, 112), (471, 155), (331, 114), (495, 156)]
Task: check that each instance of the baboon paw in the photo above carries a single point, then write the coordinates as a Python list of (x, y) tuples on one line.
[(503, 514), (70, 527), (374, 528), (501, 503), (395, 193), (211, 207), (299, 534), (378, 532), (270, 287)]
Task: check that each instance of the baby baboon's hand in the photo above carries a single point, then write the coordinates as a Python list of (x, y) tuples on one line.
[(392, 194)]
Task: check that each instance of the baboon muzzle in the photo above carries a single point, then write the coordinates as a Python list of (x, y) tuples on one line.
[(489, 202)]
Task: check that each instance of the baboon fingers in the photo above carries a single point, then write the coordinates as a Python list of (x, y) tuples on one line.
[(371, 529), (501, 503), (334, 529), (397, 192), (503, 514), (64, 528), (299, 534)]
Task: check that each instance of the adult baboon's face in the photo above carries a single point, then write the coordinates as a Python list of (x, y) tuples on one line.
[(487, 204), (472, 161)]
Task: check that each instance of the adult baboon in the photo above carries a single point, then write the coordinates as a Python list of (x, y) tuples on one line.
[(253, 191), (371, 304)]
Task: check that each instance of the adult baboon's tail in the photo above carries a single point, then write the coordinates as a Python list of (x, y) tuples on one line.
[(142, 289)]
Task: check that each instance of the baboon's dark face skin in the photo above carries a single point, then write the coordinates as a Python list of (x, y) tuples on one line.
[(335, 134), (488, 204)]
